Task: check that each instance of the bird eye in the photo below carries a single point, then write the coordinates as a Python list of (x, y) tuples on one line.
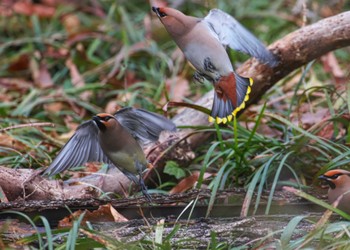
[(159, 12), (162, 14), (335, 176), (105, 118)]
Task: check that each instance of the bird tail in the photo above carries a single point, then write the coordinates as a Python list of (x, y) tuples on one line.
[(230, 96)]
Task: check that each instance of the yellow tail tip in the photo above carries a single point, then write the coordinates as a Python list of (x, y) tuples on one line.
[(219, 120)]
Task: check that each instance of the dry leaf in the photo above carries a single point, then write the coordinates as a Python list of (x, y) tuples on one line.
[(71, 23), (310, 118), (7, 141), (40, 74), (21, 63), (53, 107), (16, 84), (328, 131), (28, 8), (77, 79), (112, 107), (105, 213), (93, 167), (177, 87), (331, 65), (188, 182), (15, 227)]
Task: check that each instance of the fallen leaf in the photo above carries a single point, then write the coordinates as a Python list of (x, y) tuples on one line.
[(17, 228), (8, 141), (331, 65), (53, 107), (112, 107), (92, 167), (15, 84), (27, 8), (21, 63), (310, 118), (327, 132), (77, 79), (105, 213), (188, 182), (71, 23), (40, 74), (177, 87)]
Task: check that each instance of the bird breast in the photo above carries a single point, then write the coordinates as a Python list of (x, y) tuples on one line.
[(344, 203), (201, 47)]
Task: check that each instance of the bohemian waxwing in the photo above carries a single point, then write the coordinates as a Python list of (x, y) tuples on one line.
[(114, 140), (339, 183), (204, 42)]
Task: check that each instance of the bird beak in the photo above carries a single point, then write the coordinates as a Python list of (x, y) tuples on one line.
[(98, 122), (156, 10), (96, 119), (327, 180)]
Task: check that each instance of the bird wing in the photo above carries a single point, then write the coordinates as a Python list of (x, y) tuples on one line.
[(143, 125), (231, 33), (82, 147)]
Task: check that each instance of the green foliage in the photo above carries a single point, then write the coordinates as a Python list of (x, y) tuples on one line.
[(172, 168), (108, 56)]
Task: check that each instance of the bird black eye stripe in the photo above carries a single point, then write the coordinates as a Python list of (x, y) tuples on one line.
[(162, 14), (158, 12), (105, 118), (335, 176)]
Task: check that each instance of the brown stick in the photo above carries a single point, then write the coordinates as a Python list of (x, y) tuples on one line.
[(35, 124)]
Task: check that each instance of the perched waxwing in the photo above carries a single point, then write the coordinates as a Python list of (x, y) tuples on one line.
[(113, 139), (339, 183), (204, 42)]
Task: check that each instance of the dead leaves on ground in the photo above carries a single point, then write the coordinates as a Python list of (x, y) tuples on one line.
[(105, 213)]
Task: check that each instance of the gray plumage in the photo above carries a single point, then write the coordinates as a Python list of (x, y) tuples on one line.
[(118, 145)]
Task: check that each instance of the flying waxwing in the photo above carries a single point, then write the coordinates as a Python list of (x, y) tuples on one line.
[(339, 183), (204, 42), (113, 139)]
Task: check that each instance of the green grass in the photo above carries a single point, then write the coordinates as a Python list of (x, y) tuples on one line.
[(120, 61)]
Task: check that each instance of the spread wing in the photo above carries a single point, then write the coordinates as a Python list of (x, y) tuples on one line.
[(82, 147), (231, 33), (143, 125)]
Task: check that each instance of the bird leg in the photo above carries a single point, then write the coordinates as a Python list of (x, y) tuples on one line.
[(144, 189), (199, 77), (209, 66)]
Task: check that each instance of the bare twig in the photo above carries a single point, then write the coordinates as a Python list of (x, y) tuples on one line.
[(35, 124)]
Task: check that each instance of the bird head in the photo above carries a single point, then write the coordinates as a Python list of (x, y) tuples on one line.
[(336, 178), (175, 22), (104, 121)]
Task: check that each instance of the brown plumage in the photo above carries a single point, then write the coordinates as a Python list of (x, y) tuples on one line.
[(204, 42), (339, 184), (113, 139)]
